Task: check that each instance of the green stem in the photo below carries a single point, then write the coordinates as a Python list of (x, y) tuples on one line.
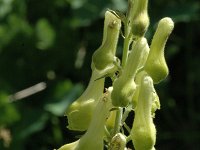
[(126, 45), (107, 132), (127, 127), (128, 138), (118, 121), (127, 41)]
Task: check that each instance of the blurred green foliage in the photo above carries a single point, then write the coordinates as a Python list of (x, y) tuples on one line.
[(53, 41)]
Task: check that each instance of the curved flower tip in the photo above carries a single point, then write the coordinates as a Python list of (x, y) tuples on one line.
[(80, 112)]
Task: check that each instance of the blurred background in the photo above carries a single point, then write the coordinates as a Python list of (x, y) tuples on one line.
[(45, 55)]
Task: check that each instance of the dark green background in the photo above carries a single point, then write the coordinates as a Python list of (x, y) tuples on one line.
[(52, 41)]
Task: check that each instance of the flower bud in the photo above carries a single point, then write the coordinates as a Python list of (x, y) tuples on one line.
[(140, 18), (80, 112), (143, 132), (123, 90), (93, 138), (104, 56), (124, 87), (156, 65), (118, 142)]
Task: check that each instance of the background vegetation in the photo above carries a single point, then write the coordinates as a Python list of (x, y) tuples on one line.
[(51, 42)]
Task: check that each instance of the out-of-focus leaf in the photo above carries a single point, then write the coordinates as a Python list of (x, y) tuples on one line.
[(5, 7), (75, 4), (45, 34), (36, 124), (60, 107), (8, 113), (120, 5), (184, 12)]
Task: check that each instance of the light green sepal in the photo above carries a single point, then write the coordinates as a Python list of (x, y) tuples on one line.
[(140, 18), (104, 57), (80, 112), (156, 65), (124, 87), (143, 132), (93, 138)]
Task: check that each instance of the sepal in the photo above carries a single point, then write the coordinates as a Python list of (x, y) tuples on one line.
[(80, 112)]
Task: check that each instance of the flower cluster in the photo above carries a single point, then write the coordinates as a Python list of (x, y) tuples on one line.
[(102, 114)]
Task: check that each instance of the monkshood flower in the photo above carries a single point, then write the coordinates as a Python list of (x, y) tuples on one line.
[(124, 87), (143, 132), (140, 18), (156, 65), (80, 112), (93, 139), (155, 102), (104, 57)]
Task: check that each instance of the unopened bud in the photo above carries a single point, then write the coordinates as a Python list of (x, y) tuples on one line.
[(140, 18), (156, 65)]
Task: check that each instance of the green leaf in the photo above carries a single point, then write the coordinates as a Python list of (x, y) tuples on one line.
[(45, 34), (58, 108)]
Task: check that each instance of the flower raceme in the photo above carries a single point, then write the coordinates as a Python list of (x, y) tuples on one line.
[(103, 115)]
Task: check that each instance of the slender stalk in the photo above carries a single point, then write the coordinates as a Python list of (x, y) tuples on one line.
[(128, 138), (127, 41), (127, 127), (118, 121)]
